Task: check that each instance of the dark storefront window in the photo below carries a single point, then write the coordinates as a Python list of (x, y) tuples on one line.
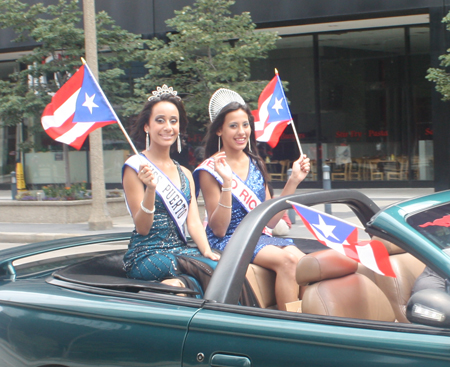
[(294, 59), (373, 98), (364, 88), (422, 159), (7, 134)]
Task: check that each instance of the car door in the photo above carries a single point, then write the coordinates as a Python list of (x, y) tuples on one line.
[(42, 324), (223, 335)]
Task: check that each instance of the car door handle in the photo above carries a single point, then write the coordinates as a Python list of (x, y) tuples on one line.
[(226, 360)]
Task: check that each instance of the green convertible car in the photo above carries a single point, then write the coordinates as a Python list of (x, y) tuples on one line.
[(68, 302)]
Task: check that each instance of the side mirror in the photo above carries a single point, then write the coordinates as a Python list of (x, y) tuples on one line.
[(429, 307)]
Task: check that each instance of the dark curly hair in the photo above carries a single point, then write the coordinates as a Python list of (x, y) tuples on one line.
[(211, 138), (137, 128)]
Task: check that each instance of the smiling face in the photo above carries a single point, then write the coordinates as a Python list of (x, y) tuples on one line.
[(163, 125), (235, 130)]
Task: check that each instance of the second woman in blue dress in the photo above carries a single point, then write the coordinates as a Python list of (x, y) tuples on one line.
[(235, 166)]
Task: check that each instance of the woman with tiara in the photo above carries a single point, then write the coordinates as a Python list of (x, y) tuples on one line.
[(234, 180), (158, 194)]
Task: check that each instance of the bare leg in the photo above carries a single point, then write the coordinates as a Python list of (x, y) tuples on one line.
[(298, 254), (294, 251), (283, 262)]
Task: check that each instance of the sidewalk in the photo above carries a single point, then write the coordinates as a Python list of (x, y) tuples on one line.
[(29, 232)]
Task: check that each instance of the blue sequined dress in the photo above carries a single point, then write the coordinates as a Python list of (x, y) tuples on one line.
[(151, 257), (255, 181)]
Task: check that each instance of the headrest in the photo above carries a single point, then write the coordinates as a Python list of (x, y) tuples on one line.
[(325, 264), (390, 247)]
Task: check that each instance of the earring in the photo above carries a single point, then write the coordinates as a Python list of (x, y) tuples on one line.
[(179, 143), (147, 141), (249, 146), (219, 145)]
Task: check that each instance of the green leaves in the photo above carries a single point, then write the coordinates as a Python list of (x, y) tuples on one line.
[(207, 49), (57, 31), (442, 80), (440, 76)]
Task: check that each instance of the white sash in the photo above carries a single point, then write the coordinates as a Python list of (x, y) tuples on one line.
[(173, 199), (241, 192)]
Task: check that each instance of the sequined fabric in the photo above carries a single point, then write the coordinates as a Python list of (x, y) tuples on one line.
[(255, 181), (151, 257)]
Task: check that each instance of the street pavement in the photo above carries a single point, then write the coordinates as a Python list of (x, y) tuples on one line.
[(13, 234)]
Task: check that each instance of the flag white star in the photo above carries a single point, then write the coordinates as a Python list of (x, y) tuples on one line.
[(89, 102), (277, 105), (326, 229)]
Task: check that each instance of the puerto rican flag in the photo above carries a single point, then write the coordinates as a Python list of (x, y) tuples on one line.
[(342, 236), (77, 108), (273, 114)]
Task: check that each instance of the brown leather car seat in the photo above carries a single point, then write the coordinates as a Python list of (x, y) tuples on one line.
[(262, 281), (398, 290), (335, 289)]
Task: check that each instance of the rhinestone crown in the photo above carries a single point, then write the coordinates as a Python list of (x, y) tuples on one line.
[(163, 90)]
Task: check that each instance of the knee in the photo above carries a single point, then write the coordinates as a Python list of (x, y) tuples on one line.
[(291, 260), (287, 263)]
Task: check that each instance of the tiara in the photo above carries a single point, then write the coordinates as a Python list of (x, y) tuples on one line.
[(162, 90), (220, 99)]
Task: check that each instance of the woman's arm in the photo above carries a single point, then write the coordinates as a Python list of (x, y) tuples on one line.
[(195, 226), (217, 201), (300, 169), (133, 186)]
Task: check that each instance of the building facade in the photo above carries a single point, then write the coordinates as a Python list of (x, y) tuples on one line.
[(356, 84)]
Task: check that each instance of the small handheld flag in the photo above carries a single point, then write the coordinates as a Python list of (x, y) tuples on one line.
[(273, 114), (78, 108), (342, 236)]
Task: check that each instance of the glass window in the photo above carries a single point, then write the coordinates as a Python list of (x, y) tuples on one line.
[(362, 103), (7, 134), (433, 224), (7, 68), (375, 103), (294, 60), (421, 132)]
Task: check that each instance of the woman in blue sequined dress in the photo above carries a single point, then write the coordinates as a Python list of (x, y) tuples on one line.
[(157, 237), (231, 143)]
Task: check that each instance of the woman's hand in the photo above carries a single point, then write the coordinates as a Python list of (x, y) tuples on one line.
[(145, 174), (222, 168), (300, 169), (211, 255)]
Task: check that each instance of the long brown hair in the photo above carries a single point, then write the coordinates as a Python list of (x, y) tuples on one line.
[(137, 129), (211, 139)]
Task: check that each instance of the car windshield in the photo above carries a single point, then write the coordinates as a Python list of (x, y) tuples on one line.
[(434, 224)]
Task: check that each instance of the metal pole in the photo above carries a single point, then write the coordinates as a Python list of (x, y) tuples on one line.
[(66, 164), (326, 184), (291, 212), (99, 218), (13, 185)]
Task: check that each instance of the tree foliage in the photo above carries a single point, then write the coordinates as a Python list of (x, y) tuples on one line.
[(57, 31), (439, 75), (208, 49)]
